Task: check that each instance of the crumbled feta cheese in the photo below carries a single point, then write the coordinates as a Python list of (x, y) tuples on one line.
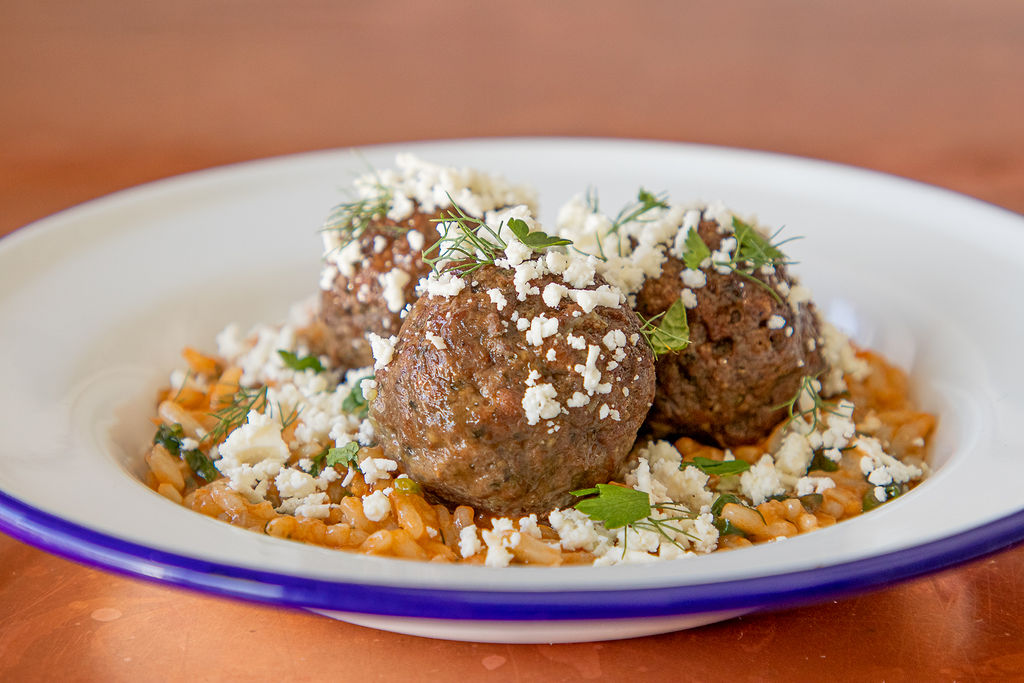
[(377, 469), (393, 283), (497, 298), (808, 485), (447, 284), (553, 294), (761, 481), (376, 506), (437, 341), (575, 342), (383, 349), (469, 542), (541, 328), (539, 403), (591, 375)]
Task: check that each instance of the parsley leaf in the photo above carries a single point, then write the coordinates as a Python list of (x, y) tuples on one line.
[(347, 455), (751, 246), (356, 403), (536, 240), (722, 468), (615, 506), (672, 334), (299, 364), (696, 250)]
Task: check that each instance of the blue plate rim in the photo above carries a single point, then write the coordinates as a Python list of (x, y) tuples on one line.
[(72, 541)]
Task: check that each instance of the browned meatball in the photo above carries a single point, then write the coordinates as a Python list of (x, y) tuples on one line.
[(742, 362), (481, 415), (367, 301)]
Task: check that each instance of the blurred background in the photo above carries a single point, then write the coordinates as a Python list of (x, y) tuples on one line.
[(104, 94)]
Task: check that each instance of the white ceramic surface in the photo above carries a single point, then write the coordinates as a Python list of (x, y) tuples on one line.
[(96, 303)]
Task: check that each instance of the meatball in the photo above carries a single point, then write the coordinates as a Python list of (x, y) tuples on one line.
[(507, 404), (373, 247), (750, 349), (371, 296)]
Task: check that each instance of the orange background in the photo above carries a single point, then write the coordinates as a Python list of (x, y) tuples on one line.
[(101, 95)]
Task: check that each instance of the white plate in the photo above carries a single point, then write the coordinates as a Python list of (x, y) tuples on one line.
[(96, 303)]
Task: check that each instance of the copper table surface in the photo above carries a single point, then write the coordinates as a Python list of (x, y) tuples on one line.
[(102, 95)]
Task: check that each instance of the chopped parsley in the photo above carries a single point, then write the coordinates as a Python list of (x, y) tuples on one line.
[(171, 437), (347, 456)]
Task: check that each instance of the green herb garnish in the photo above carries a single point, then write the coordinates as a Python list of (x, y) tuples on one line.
[(536, 239), (171, 437), (353, 218), (809, 385), (618, 506), (234, 414), (310, 362), (671, 334), (347, 455), (407, 485), (812, 501), (634, 211), (721, 468), (355, 403), (469, 243), (753, 252), (614, 506), (696, 250), (201, 464), (870, 501), (823, 463)]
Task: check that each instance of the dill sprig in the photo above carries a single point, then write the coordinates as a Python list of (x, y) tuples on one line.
[(753, 252), (809, 386), (637, 210), (671, 334), (469, 243), (352, 219), (634, 211), (233, 415)]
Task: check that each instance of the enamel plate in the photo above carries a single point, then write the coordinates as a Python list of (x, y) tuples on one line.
[(97, 302)]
